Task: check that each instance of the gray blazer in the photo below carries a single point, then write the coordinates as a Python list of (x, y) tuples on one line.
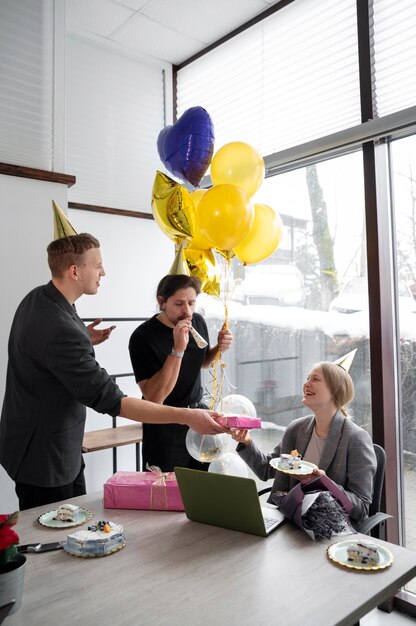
[(52, 375), (348, 459)]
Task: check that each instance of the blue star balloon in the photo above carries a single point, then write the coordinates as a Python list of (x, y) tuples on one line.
[(186, 147)]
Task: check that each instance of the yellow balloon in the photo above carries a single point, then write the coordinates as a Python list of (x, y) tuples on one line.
[(198, 242), (225, 216), (197, 196), (238, 164), (173, 208), (264, 237)]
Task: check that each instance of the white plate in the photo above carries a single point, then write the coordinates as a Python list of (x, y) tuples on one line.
[(338, 554), (81, 517), (304, 468)]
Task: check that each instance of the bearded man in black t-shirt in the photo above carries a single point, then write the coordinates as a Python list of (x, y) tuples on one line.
[(167, 366)]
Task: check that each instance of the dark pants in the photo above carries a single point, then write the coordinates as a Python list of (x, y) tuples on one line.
[(31, 496), (164, 446)]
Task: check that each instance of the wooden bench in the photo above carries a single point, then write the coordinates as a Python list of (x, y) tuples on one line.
[(113, 438)]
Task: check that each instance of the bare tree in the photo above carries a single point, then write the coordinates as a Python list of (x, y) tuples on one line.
[(322, 238), (406, 237)]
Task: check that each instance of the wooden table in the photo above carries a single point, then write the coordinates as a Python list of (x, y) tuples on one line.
[(178, 573), (113, 438)]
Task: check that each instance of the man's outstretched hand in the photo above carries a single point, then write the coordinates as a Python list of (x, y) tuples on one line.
[(203, 422), (99, 335)]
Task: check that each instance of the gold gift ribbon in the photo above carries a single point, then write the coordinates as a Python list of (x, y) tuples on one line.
[(159, 481)]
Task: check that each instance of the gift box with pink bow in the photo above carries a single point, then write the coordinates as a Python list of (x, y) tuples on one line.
[(155, 490), (239, 421)]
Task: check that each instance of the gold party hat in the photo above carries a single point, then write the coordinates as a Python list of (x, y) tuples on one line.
[(62, 226), (346, 361), (179, 265)]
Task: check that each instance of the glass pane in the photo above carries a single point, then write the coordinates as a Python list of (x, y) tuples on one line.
[(404, 196), (306, 303)]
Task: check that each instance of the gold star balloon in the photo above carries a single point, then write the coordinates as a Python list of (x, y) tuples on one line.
[(202, 264), (173, 208)]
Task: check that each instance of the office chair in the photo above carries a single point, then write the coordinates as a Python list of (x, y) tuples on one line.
[(375, 523)]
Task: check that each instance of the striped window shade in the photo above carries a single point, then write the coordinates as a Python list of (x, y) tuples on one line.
[(287, 80), (115, 111), (394, 55), (26, 80)]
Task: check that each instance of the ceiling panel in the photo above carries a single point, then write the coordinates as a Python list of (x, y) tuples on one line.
[(206, 21), (142, 34), (171, 30), (98, 17)]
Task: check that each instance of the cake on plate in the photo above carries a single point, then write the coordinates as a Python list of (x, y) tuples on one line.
[(67, 513), (363, 552), (290, 461), (99, 539)]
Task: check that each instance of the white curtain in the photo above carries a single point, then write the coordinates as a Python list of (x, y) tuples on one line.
[(285, 81), (26, 83), (115, 111)]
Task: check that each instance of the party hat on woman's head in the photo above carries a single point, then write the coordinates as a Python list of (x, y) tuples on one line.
[(62, 227), (346, 361)]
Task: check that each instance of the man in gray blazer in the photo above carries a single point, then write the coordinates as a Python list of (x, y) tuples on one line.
[(52, 375)]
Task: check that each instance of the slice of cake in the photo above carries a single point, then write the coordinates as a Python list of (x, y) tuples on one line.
[(363, 552), (290, 461), (67, 513), (100, 539)]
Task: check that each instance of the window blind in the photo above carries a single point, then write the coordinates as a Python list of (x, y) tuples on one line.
[(290, 79), (115, 110), (26, 79), (394, 55)]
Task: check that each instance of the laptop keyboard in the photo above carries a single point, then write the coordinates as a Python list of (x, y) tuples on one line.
[(269, 522)]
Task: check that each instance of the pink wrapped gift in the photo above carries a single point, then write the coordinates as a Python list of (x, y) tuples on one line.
[(157, 491), (239, 421)]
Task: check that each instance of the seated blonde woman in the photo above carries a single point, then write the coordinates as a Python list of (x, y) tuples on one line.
[(328, 438)]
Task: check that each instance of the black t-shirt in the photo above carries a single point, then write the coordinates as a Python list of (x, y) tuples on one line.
[(149, 346)]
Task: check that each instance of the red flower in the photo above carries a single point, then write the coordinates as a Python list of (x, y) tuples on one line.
[(8, 519), (7, 537)]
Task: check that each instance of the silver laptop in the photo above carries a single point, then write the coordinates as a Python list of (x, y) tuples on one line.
[(226, 501)]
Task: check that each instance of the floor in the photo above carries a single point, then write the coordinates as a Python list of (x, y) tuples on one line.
[(380, 618), (410, 514)]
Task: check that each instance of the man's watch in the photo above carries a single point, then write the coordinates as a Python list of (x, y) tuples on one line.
[(176, 353)]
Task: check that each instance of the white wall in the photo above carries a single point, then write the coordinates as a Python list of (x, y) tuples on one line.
[(136, 255)]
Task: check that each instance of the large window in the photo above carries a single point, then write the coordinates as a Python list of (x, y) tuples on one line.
[(344, 275), (404, 194), (306, 303)]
